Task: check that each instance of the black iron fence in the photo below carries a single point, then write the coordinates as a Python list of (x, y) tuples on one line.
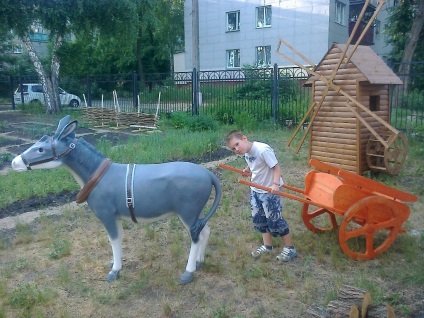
[(273, 93)]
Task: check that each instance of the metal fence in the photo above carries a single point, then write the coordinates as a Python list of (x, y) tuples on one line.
[(271, 93)]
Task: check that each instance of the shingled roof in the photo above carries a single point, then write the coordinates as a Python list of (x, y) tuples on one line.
[(368, 63)]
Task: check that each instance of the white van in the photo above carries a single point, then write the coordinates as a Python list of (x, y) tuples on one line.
[(34, 93)]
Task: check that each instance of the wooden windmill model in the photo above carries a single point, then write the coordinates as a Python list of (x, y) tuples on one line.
[(349, 114)]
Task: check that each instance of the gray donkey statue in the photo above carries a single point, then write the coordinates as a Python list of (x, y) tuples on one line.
[(144, 192)]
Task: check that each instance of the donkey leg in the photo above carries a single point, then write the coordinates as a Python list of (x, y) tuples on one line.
[(187, 276), (203, 242), (116, 243)]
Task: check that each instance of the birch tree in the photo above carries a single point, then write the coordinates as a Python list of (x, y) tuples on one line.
[(61, 18)]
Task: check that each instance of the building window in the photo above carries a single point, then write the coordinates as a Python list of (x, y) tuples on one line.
[(233, 58), (374, 103), (17, 48), (263, 16), (340, 13), (233, 21), (377, 28), (263, 56)]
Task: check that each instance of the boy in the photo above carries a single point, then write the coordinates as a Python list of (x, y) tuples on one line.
[(263, 167)]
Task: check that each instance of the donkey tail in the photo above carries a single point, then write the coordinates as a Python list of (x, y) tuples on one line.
[(200, 223)]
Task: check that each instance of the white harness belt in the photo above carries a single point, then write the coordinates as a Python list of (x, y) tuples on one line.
[(129, 190)]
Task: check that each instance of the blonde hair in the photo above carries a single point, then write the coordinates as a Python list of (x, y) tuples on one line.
[(234, 134)]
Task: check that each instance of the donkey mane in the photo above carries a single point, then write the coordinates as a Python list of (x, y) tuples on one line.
[(85, 158)]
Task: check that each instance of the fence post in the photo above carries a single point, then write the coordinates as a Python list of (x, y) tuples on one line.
[(22, 91), (88, 84), (12, 92), (135, 90), (274, 102), (195, 95)]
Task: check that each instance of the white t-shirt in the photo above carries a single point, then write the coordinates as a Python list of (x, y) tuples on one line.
[(261, 159)]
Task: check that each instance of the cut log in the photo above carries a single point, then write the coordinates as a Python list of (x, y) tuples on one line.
[(351, 302), (381, 311), (341, 309), (315, 312)]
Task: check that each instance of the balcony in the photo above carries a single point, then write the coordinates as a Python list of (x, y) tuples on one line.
[(39, 37), (368, 38)]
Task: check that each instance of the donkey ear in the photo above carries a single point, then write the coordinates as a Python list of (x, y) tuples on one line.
[(68, 130), (62, 123)]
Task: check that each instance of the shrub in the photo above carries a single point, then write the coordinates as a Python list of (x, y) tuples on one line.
[(185, 120)]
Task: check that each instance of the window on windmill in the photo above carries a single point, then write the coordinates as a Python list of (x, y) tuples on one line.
[(233, 21), (374, 103)]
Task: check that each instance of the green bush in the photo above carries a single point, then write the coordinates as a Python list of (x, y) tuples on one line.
[(180, 120)]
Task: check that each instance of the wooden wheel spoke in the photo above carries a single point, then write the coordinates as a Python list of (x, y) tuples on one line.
[(369, 243), (355, 233), (316, 213), (386, 224), (308, 216), (369, 227)]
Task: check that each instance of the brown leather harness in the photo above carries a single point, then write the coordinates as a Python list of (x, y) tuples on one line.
[(92, 182), (98, 174)]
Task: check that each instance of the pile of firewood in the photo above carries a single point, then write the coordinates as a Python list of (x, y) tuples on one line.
[(352, 302)]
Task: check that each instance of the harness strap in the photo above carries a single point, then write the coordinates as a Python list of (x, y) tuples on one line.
[(130, 190), (71, 147), (92, 182)]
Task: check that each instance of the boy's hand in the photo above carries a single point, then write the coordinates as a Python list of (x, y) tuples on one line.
[(275, 188), (246, 172)]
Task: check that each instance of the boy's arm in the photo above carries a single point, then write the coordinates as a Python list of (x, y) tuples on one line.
[(276, 181)]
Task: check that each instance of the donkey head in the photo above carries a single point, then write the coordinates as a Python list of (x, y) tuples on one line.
[(49, 151)]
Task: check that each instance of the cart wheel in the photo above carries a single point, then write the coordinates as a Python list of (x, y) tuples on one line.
[(320, 224), (395, 155), (369, 227)]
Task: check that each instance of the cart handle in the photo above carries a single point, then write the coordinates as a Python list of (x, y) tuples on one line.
[(290, 196), (223, 166)]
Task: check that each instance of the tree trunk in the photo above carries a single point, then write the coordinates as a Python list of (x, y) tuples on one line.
[(139, 48), (55, 74), (411, 43), (45, 82)]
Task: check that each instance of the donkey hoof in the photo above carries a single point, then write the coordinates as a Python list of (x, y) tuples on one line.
[(112, 276), (186, 277), (198, 265)]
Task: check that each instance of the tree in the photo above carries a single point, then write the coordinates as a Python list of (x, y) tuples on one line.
[(405, 27), (62, 18)]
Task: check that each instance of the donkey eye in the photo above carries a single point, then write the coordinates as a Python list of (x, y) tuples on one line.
[(40, 149)]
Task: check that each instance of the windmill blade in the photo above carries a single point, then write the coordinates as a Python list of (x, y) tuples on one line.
[(329, 80)]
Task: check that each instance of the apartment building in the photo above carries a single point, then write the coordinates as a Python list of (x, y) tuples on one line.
[(233, 33)]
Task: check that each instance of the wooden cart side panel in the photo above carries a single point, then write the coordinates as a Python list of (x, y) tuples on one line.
[(320, 187), (376, 187), (381, 92)]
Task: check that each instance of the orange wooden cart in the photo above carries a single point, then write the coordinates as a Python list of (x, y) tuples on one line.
[(371, 213)]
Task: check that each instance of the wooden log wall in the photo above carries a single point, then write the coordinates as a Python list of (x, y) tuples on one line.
[(337, 135), (334, 130)]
